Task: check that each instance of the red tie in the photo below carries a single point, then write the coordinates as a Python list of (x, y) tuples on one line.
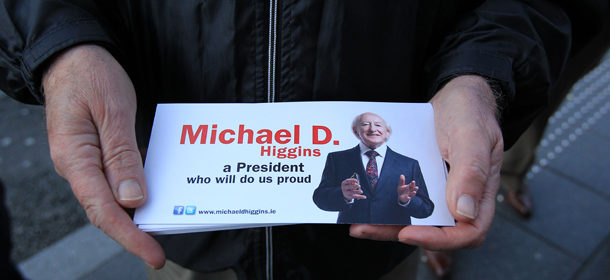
[(371, 169)]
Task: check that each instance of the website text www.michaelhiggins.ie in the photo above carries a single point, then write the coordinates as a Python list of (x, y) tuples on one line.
[(237, 212)]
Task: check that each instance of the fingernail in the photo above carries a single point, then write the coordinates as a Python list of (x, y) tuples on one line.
[(361, 235), (409, 241), (130, 190), (150, 265), (466, 206)]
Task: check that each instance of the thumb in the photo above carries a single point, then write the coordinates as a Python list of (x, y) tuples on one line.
[(471, 171), (108, 101), (123, 167), (402, 181), (114, 118), (465, 186), (472, 182), (90, 106), (471, 142)]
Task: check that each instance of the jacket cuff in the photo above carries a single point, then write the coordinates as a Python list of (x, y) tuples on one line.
[(493, 66), (57, 39)]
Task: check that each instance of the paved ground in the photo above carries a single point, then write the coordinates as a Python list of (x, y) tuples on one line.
[(567, 238), (42, 205)]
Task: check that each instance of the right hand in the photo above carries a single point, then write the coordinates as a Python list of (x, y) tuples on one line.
[(470, 140), (406, 192), (351, 189), (90, 110)]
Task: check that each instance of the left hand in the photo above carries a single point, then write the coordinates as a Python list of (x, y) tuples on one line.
[(406, 192), (470, 140), (90, 112)]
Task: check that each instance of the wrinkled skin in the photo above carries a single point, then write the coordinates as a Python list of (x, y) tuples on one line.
[(90, 108), (91, 105), (470, 140)]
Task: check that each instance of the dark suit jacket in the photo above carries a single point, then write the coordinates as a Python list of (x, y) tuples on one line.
[(380, 207)]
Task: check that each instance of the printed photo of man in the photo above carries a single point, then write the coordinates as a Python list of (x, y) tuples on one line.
[(370, 183)]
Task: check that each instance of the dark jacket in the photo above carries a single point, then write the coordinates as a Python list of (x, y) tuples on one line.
[(276, 51), (381, 205), (321, 50)]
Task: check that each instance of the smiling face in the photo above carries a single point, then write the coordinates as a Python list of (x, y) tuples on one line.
[(372, 130)]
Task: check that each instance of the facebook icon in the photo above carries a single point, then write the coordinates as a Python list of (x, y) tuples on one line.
[(178, 210)]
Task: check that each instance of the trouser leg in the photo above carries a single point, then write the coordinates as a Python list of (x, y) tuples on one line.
[(7, 268), (518, 160), (174, 271), (406, 270)]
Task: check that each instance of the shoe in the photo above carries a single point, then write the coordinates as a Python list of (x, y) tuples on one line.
[(439, 262), (521, 201)]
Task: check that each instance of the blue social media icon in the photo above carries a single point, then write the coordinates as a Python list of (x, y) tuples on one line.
[(190, 210), (178, 210)]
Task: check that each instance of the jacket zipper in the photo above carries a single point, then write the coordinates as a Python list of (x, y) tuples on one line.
[(269, 248), (270, 99), (271, 56)]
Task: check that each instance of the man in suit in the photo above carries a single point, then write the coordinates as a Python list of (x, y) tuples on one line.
[(367, 183)]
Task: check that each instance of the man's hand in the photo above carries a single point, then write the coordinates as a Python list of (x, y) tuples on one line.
[(90, 108), (470, 140), (351, 189), (406, 192)]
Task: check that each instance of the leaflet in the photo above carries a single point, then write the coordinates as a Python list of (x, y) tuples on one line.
[(229, 166)]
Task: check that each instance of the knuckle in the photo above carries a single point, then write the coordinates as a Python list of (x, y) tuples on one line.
[(478, 241), (122, 156), (92, 210), (476, 171)]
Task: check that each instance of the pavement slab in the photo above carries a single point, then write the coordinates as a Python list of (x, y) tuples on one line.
[(41, 203), (75, 256), (563, 210), (598, 265), (121, 266)]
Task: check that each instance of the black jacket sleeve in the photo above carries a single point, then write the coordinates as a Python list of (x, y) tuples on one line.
[(521, 45), (33, 31)]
